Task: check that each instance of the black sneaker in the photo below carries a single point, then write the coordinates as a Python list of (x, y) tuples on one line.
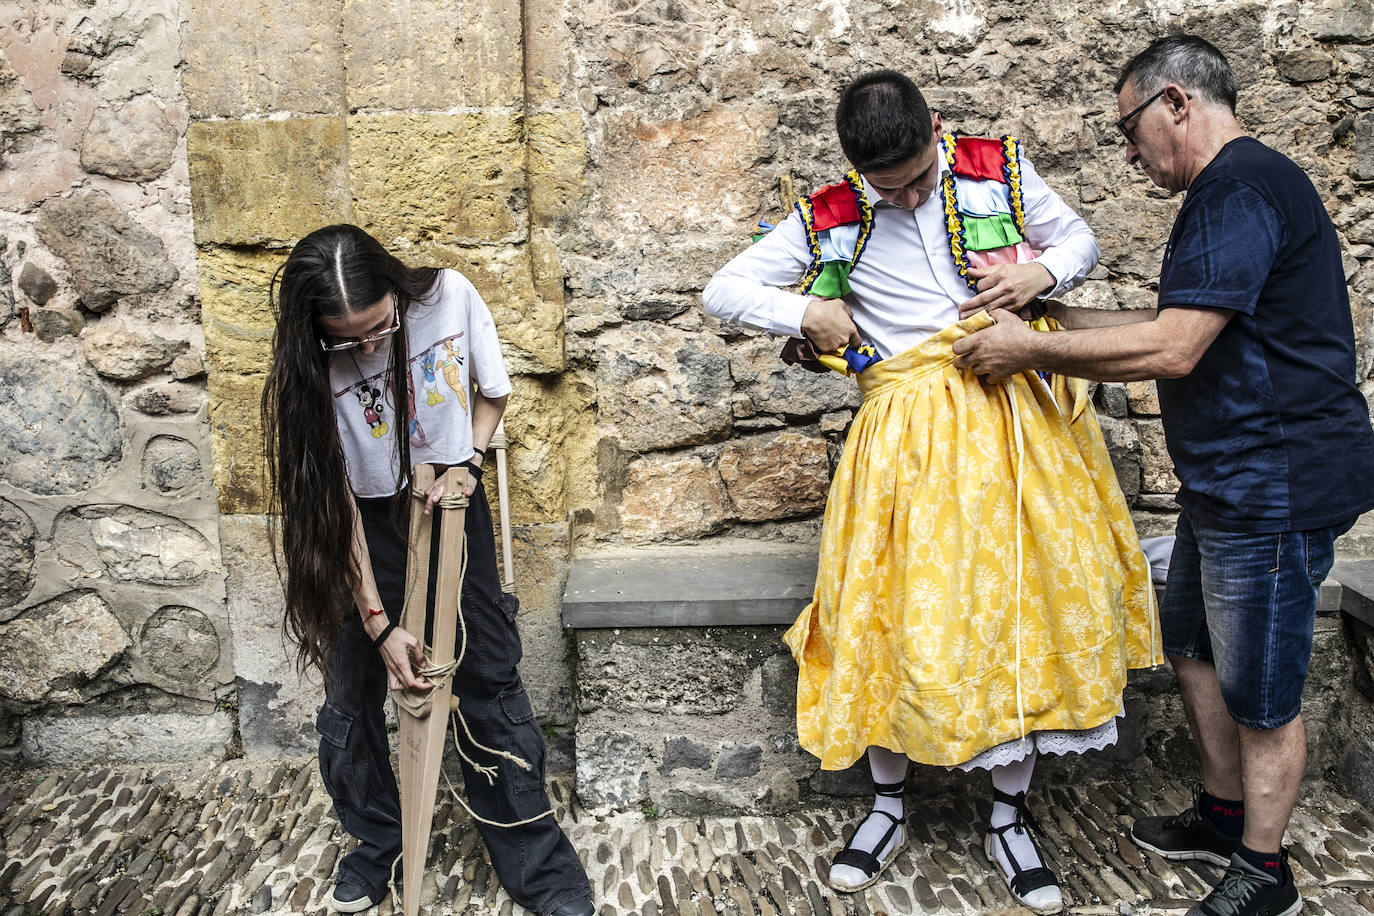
[(1186, 836), (350, 896), (1248, 891)]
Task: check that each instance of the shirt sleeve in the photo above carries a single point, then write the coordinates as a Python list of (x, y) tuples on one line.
[(487, 368), (1222, 250), (1068, 247), (746, 290)]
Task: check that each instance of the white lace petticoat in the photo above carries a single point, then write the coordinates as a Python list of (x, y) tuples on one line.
[(1043, 742)]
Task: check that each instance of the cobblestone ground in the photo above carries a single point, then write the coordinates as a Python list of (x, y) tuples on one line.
[(259, 837)]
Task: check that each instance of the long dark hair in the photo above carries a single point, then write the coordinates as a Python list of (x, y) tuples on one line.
[(331, 273)]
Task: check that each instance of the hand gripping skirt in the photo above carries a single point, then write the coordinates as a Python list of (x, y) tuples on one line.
[(980, 577)]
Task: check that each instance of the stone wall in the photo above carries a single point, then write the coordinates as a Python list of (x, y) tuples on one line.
[(113, 634), (702, 117)]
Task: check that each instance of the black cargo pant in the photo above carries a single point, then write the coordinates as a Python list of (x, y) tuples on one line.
[(535, 863)]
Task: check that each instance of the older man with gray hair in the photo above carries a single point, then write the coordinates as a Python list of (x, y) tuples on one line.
[(1254, 347)]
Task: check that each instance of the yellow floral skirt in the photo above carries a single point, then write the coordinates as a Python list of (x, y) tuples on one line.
[(946, 621)]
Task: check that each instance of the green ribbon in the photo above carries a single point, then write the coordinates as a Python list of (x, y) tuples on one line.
[(984, 233), (833, 281)]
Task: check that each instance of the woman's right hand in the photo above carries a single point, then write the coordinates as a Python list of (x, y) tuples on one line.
[(402, 653)]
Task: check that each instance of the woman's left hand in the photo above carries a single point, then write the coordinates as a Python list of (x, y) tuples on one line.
[(434, 493)]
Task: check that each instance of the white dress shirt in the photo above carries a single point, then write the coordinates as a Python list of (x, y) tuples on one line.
[(905, 287)]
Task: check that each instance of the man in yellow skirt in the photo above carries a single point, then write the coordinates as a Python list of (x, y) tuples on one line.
[(981, 592)]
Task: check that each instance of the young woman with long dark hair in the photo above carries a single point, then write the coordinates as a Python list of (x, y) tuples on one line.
[(376, 367)]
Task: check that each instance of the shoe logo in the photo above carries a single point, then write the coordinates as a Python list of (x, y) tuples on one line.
[(1228, 812)]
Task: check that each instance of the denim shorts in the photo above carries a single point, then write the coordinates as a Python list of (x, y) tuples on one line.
[(1246, 603)]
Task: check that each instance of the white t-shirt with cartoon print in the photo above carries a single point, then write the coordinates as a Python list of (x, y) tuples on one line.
[(453, 344)]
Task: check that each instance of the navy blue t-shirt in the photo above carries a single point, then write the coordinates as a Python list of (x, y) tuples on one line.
[(1268, 432)]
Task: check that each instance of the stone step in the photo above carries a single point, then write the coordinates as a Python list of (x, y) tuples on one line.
[(726, 582)]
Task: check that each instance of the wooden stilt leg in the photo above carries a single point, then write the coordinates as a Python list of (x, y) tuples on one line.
[(422, 730), (498, 443)]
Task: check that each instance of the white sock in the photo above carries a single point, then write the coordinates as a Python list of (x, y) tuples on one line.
[(889, 768), (1015, 778)]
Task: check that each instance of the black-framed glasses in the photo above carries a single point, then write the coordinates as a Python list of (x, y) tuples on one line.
[(1121, 125), (370, 338)]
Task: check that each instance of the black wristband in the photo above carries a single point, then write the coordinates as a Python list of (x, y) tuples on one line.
[(476, 469), (480, 451), (381, 637)]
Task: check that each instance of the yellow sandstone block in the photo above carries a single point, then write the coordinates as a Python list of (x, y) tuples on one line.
[(450, 179), (236, 438), (255, 182), (237, 320)]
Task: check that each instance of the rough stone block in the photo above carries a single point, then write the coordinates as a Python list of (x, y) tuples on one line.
[(87, 740), (1157, 469), (36, 283), (1364, 146), (541, 567), (610, 771), (775, 476), (623, 670), (110, 256), (660, 184), (780, 685), (739, 761), (433, 55), (672, 496), (1123, 446), (765, 384), (236, 315), (1303, 65), (276, 706), (236, 430), (293, 62), (133, 141), (18, 113), (557, 160), (128, 352), (17, 545), (663, 387), (550, 423), (48, 458), (1340, 20), (684, 754), (1144, 398), (171, 465), (58, 647), (128, 544), (1132, 233), (450, 179), (1111, 399), (267, 181)]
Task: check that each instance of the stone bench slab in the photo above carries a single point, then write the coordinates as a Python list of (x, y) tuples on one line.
[(718, 584), (1357, 593)]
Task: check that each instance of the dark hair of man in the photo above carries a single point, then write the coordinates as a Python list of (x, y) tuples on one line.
[(1191, 62), (883, 121), (332, 272)]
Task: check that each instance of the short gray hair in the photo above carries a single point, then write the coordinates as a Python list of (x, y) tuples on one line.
[(1190, 61)]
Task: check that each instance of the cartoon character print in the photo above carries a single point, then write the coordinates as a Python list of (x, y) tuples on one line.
[(427, 366), (450, 363), (371, 400), (417, 432)]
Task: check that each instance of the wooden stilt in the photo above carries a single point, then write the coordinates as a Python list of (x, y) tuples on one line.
[(422, 728), (498, 442)]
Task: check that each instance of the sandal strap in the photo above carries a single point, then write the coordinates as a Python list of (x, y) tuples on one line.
[(864, 860), (1023, 882), (1023, 813), (890, 789)]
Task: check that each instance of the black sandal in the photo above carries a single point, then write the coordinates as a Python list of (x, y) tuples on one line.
[(1023, 880), (866, 861)]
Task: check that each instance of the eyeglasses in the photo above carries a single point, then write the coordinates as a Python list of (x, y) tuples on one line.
[(371, 338), (1121, 125)]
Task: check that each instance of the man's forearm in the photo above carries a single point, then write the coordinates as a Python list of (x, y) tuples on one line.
[(1166, 347)]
